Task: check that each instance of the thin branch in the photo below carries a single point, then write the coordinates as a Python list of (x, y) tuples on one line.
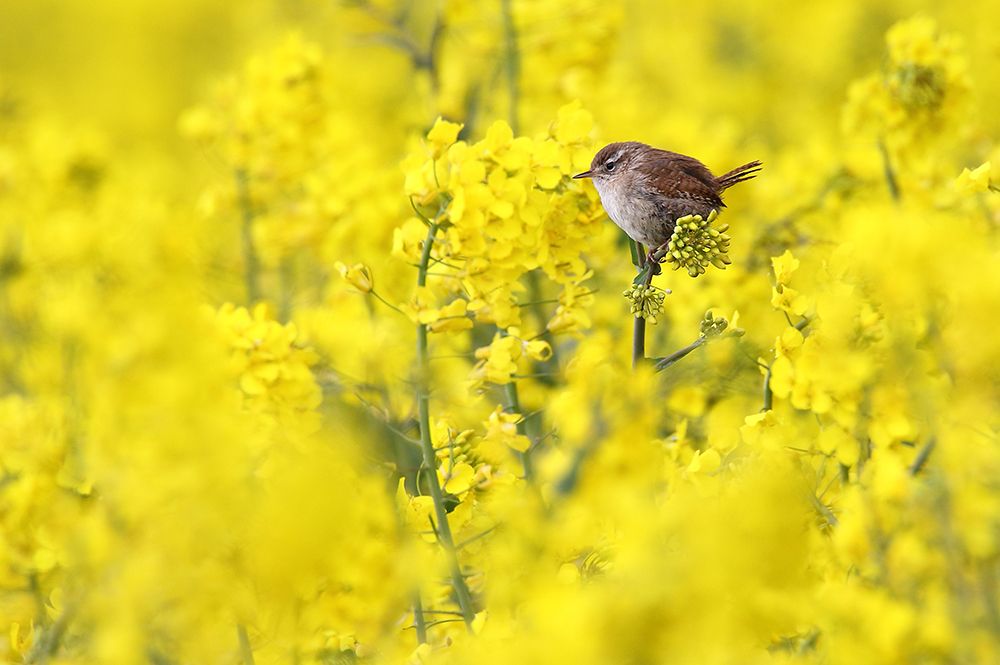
[(48, 642), (439, 621), (418, 619), (667, 361), (890, 174), (768, 395), (386, 302), (921, 460), (824, 511), (472, 539)]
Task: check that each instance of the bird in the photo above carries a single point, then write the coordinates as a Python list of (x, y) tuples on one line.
[(645, 190)]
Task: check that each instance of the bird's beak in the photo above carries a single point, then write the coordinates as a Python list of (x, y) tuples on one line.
[(585, 174)]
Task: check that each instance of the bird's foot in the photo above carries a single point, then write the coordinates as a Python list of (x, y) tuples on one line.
[(649, 265), (655, 257)]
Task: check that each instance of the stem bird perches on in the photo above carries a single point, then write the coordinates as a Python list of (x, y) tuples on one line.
[(647, 264)]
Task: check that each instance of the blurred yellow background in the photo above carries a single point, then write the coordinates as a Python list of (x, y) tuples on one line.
[(314, 352)]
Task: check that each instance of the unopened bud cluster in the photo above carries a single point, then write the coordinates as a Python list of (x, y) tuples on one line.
[(712, 325), (696, 243), (918, 87), (647, 301)]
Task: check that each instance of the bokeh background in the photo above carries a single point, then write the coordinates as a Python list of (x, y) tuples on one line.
[(313, 352)]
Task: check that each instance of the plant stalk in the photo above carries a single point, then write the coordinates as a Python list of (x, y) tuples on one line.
[(513, 63), (667, 361), (418, 619), (246, 651), (251, 264), (514, 406), (639, 325), (889, 172), (427, 447)]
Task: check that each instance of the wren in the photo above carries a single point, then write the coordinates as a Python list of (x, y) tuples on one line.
[(645, 190)]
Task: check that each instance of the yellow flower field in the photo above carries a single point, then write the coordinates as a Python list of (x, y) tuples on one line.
[(313, 351)]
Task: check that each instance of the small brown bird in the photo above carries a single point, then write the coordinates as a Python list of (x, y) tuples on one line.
[(645, 190)]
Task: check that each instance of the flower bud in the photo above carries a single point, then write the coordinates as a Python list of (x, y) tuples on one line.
[(359, 276)]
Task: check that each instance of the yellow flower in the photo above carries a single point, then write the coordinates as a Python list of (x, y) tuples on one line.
[(790, 339), (834, 440), (274, 372), (789, 300), (457, 479), (452, 318), (442, 135), (501, 429), (704, 462), (573, 124), (498, 137), (359, 276), (975, 181), (538, 350), (498, 361), (784, 266)]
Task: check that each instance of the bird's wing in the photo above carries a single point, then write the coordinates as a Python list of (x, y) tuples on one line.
[(680, 176)]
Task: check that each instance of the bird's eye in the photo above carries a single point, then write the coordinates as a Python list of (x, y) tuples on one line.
[(610, 165)]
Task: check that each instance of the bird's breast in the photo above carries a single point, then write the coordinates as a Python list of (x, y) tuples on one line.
[(635, 214)]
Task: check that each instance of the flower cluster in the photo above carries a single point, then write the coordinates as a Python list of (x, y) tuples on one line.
[(696, 244), (505, 206), (917, 101), (497, 362), (646, 301), (273, 370)]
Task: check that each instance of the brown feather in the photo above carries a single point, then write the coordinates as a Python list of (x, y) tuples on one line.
[(739, 174), (680, 176)]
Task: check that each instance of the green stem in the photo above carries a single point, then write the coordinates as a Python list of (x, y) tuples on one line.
[(645, 277), (287, 289), (638, 341), (418, 619), (824, 511), (246, 651), (890, 174), (667, 361), (251, 265), (387, 303), (513, 62), (48, 642), (534, 288), (921, 461), (768, 395), (514, 406), (429, 458)]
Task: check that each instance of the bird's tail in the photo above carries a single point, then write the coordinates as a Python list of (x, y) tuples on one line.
[(739, 174)]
